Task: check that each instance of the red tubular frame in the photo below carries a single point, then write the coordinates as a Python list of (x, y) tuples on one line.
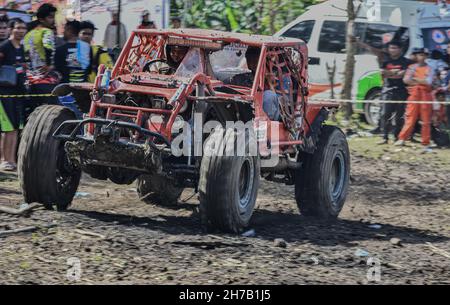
[(159, 87)]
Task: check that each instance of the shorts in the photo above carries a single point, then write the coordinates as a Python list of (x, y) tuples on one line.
[(10, 114)]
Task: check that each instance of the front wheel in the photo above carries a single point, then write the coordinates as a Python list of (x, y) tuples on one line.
[(46, 176), (228, 185), (321, 184)]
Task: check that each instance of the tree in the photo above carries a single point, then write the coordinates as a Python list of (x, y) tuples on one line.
[(350, 46), (247, 16)]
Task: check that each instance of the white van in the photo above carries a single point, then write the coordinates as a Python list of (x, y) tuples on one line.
[(323, 27)]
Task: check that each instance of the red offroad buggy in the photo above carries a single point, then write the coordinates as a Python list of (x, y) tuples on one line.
[(201, 125)]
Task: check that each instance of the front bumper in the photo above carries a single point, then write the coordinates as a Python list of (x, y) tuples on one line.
[(105, 148)]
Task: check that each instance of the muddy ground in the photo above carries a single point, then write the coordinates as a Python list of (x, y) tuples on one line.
[(397, 213)]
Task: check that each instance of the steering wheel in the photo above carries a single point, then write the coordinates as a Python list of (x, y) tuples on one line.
[(151, 62)]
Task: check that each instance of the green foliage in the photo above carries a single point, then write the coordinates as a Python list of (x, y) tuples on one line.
[(247, 16)]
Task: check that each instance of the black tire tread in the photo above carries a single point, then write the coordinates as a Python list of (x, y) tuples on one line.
[(216, 194), (37, 157), (309, 186)]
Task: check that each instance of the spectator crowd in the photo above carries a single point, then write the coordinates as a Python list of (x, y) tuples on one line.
[(34, 60), (423, 77)]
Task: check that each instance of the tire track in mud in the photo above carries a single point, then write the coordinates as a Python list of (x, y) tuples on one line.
[(119, 239)]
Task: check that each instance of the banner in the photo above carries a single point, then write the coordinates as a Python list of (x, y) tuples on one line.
[(436, 38)]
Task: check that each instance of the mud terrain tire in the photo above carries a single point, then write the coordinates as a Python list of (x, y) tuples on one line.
[(44, 172), (321, 184), (228, 185)]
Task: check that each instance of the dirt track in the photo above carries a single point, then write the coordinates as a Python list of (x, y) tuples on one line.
[(139, 243)]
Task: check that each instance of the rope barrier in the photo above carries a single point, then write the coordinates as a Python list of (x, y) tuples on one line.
[(353, 101), (311, 100), (25, 95)]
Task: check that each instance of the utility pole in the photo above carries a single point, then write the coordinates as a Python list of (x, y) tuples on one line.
[(350, 47), (118, 22)]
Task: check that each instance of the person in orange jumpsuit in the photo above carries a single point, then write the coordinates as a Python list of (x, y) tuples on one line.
[(419, 77)]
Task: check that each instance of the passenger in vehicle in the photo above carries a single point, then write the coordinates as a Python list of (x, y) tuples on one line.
[(270, 97)]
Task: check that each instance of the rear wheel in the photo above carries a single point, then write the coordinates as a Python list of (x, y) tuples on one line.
[(228, 184), (156, 189), (372, 111), (45, 173), (321, 185)]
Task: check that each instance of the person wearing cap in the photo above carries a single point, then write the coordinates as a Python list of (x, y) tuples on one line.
[(394, 89), (146, 23), (110, 38), (100, 54), (419, 77)]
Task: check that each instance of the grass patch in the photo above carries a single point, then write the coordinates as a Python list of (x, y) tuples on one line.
[(25, 265), (412, 153)]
